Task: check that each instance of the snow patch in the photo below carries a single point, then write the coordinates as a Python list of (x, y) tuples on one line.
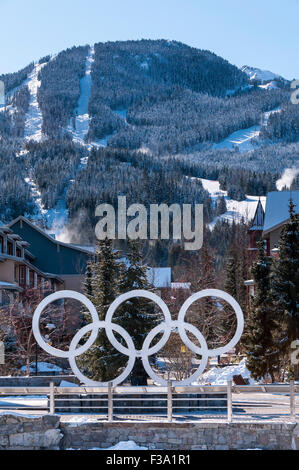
[(79, 123), (221, 375), (42, 367), (236, 210), (33, 118), (242, 139), (260, 75), (122, 445)]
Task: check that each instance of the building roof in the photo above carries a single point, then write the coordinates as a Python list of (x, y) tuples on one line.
[(159, 277), (180, 285), (277, 208), (259, 217), (46, 235), (9, 286)]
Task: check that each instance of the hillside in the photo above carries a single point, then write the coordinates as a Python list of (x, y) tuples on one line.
[(136, 118)]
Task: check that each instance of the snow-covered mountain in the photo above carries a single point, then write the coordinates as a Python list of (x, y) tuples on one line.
[(144, 103), (263, 76)]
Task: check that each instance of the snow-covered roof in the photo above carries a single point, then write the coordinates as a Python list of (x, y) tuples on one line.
[(159, 277), (180, 285), (9, 286), (277, 208)]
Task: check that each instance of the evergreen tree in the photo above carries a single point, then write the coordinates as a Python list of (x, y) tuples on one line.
[(285, 279), (137, 316), (102, 362), (87, 284), (260, 334), (237, 267), (221, 206), (230, 285)]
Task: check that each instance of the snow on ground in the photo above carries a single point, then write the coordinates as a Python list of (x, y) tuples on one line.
[(221, 375), (36, 195), (42, 367), (79, 128), (28, 401), (258, 74), (33, 118), (269, 86), (268, 114), (66, 383), (126, 445), (56, 218), (243, 137), (235, 209), (8, 96), (122, 445)]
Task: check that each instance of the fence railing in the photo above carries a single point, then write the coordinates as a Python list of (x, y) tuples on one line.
[(224, 401)]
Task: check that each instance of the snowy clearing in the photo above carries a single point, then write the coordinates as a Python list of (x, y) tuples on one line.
[(243, 138), (79, 125), (236, 210), (33, 118)]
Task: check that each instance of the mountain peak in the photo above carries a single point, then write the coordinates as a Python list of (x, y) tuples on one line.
[(256, 74)]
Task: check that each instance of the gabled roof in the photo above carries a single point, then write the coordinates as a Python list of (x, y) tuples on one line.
[(259, 216), (277, 208), (46, 235)]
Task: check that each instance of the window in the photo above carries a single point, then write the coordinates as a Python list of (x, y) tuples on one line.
[(31, 278), (22, 275), (10, 248), (19, 252), (1, 245)]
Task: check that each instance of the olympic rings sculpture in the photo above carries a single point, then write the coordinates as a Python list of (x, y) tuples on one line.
[(165, 327)]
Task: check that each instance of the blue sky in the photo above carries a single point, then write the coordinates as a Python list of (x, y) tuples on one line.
[(264, 33)]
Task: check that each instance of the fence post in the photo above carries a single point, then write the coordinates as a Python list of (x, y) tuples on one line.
[(229, 401), (169, 401), (52, 398), (292, 400), (110, 402)]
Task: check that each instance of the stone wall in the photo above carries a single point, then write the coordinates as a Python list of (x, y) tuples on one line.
[(183, 436), (49, 432), (19, 432)]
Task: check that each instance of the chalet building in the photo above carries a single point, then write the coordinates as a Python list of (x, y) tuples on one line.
[(63, 260), (17, 268), (30, 257), (267, 224), (255, 232)]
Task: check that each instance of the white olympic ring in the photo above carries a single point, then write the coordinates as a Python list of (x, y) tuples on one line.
[(167, 326)]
